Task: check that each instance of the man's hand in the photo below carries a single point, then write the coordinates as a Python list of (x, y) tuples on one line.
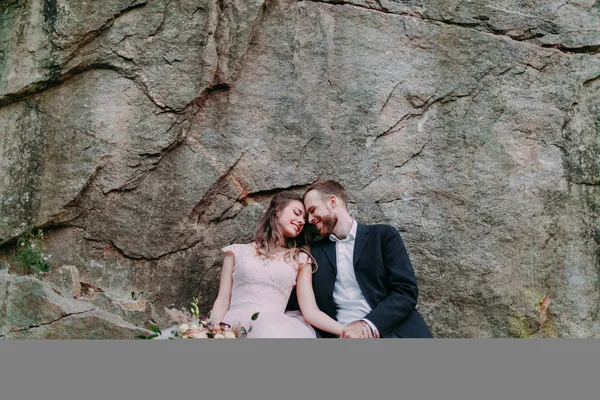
[(357, 330)]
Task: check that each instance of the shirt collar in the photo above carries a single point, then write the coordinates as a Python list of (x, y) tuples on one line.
[(351, 234)]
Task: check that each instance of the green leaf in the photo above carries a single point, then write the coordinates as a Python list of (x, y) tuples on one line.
[(156, 329), (254, 316), (147, 337), (171, 338)]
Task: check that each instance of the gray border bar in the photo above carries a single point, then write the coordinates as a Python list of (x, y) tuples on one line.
[(303, 369)]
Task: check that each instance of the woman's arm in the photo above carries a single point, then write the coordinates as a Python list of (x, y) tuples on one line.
[(308, 305), (221, 304)]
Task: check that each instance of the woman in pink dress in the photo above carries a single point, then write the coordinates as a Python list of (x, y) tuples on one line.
[(258, 277)]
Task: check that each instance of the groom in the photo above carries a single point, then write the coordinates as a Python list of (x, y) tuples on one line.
[(364, 279)]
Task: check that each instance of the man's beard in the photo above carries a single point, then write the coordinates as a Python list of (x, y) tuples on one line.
[(328, 224)]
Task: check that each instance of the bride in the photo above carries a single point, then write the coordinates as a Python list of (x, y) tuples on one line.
[(258, 277)]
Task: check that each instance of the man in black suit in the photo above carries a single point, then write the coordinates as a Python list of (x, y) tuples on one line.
[(364, 279)]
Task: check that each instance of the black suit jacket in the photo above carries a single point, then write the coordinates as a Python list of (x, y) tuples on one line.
[(385, 276)]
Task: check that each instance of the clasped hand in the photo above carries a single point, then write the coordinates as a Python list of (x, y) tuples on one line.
[(357, 330)]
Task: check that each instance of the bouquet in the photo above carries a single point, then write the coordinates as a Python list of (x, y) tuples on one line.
[(192, 326)]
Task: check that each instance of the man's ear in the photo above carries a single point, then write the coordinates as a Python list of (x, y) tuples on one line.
[(333, 201)]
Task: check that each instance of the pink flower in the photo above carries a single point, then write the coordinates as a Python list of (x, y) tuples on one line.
[(201, 335), (193, 334)]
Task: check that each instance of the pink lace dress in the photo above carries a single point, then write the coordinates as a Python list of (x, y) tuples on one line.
[(264, 285)]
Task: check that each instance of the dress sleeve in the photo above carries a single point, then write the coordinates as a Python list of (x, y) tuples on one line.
[(235, 248), (304, 259)]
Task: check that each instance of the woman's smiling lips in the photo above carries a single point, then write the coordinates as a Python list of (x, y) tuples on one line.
[(297, 227)]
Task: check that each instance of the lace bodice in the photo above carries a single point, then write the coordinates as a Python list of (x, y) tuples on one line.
[(260, 283)]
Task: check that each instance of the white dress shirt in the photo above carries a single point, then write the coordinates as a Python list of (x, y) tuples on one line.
[(348, 297)]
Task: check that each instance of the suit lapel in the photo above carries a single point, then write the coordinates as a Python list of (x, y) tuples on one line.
[(329, 249), (362, 236)]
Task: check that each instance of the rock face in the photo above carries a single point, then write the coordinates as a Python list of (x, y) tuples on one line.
[(65, 281), (33, 309), (146, 135)]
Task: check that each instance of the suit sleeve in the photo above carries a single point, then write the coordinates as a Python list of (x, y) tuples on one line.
[(403, 289), (292, 304)]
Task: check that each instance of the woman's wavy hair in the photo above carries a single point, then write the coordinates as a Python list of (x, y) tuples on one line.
[(269, 239)]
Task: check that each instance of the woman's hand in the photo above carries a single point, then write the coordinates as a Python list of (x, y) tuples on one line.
[(214, 318), (357, 330)]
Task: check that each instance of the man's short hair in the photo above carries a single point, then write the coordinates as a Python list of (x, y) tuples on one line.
[(327, 188)]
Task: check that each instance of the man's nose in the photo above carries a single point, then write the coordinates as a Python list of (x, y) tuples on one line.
[(310, 219)]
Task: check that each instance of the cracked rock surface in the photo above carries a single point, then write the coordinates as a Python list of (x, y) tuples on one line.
[(147, 135), (34, 309)]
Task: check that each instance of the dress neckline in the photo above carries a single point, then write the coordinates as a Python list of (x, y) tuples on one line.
[(277, 258)]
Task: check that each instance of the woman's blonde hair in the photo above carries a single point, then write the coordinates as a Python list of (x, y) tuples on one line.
[(268, 237)]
